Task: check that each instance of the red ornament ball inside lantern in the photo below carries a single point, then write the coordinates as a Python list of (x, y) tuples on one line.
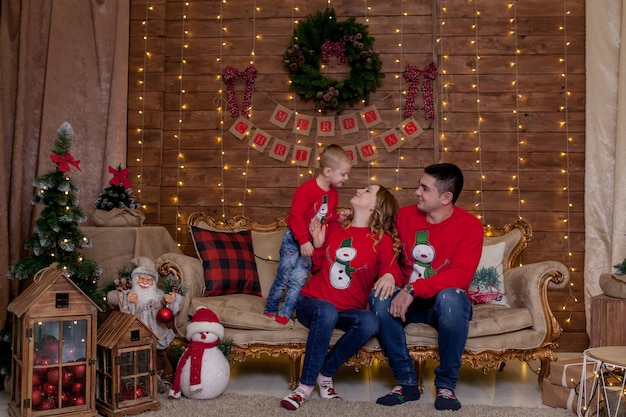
[(53, 377), (36, 397), (49, 388), (79, 371), (78, 388), (165, 315), (78, 400), (47, 405), (67, 378), (140, 392), (36, 379)]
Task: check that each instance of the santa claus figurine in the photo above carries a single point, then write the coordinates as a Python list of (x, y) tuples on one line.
[(203, 370), (144, 299)]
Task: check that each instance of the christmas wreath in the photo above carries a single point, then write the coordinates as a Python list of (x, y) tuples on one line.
[(314, 42)]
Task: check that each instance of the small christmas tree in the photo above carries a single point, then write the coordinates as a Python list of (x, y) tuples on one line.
[(118, 193), (57, 236)]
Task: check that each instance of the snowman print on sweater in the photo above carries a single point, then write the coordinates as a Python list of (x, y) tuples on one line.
[(322, 212), (423, 255), (340, 271)]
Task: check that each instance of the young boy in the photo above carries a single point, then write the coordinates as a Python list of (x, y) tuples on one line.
[(315, 197)]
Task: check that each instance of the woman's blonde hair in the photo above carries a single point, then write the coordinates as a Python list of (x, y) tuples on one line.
[(383, 218)]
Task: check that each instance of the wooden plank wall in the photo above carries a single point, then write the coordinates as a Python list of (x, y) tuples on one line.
[(509, 99)]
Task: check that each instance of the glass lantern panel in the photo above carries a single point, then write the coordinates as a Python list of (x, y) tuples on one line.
[(105, 362), (72, 383), (143, 361), (143, 387), (74, 333), (16, 382), (127, 364), (46, 343), (104, 385), (127, 390)]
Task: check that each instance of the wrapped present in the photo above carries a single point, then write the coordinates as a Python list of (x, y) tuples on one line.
[(554, 395), (567, 372)]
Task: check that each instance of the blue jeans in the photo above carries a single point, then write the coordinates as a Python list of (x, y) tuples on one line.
[(449, 312), (321, 317), (293, 270)]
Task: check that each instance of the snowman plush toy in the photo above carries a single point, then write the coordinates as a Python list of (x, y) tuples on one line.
[(203, 370)]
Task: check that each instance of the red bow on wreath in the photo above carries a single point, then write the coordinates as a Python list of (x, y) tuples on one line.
[(329, 48), (230, 76), (64, 161), (412, 74), (119, 177)]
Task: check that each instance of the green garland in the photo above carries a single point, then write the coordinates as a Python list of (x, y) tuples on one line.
[(304, 56)]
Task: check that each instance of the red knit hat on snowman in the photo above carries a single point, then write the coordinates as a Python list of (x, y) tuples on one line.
[(205, 320)]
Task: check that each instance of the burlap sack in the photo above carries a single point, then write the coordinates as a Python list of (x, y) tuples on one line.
[(118, 217), (613, 285)]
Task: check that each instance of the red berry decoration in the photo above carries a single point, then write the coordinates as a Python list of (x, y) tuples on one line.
[(165, 315)]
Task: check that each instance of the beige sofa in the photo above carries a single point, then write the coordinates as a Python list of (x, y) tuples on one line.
[(524, 329)]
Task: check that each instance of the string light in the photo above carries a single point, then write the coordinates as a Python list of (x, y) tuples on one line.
[(518, 124), (181, 107), (246, 190), (565, 125), (479, 120), (400, 61), (444, 112), (146, 55), (221, 109)]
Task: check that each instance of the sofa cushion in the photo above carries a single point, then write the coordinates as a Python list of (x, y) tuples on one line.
[(487, 285), (239, 311), (228, 262), (487, 320), (267, 252)]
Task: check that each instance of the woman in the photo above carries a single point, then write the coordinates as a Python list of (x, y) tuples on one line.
[(349, 259)]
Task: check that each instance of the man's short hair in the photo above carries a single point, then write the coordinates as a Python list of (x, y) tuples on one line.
[(448, 177)]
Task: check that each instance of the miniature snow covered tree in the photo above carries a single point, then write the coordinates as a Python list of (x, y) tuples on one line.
[(57, 237), (118, 193)]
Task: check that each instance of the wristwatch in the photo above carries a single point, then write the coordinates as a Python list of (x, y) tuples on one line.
[(409, 288)]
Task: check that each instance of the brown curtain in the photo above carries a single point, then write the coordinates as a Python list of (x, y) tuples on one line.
[(61, 61)]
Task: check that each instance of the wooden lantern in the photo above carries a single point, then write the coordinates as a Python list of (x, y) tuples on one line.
[(53, 349), (126, 381)]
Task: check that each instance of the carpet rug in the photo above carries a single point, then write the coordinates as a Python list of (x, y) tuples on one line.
[(238, 405)]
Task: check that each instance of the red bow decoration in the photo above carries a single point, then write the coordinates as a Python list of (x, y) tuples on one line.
[(230, 76), (412, 74), (119, 177), (329, 48), (64, 161)]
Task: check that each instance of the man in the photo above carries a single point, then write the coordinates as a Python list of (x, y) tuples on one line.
[(441, 248)]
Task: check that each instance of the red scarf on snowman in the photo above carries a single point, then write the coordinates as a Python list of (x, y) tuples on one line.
[(203, 321)]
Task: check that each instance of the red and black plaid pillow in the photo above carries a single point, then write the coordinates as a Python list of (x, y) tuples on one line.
[(228, 262)]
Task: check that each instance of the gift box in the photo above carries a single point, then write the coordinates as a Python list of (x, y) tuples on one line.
[(554, 395), (566, 373)]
